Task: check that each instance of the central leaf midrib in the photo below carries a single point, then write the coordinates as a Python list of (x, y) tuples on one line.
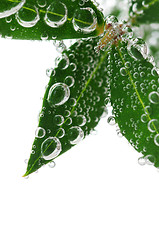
[(53, 13), (83, 90)]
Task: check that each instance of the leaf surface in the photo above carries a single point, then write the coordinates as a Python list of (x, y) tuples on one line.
[(135, 100), (73, 103), (51, 19), (144, 12)]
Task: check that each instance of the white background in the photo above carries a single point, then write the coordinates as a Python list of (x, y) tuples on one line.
[(97, 189)]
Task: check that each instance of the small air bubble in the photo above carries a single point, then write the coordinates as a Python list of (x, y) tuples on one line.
[(51, 148), (75, 135), (111, 120)]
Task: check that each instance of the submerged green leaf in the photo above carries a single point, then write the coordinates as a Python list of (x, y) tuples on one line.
[(73, 103), (135, 98), (51, 19), (144, 11)]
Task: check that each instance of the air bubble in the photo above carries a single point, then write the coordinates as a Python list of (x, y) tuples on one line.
[(15, 7), (41, 3), (155, 72), (127, 64), (75, 135), (142, 161), (154, 97), (50, 72), (44, 36), (150, 159), (52, 164), (72, 102), (153, 125), (137, 48), (81, 120), (119, 133), (85, 20), (64, 62), (8, 19), (148, 110), (67, 113), (156, 139), (51, 148), (144, 118), (146, 5), (40, 132), (69, 80), (123, 71), (59, 120), (61, 133), (111, 120), (73, 67), (56, 14), (27, 18), (68, 121), (59, 93)]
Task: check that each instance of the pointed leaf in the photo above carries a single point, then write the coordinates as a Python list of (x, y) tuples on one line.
[(135, 99), (142, 12), (51, 19), (73, 103)]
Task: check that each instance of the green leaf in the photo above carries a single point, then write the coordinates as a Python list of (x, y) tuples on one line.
[(73, 103), (135, 98), (51, 19), (144, 11)]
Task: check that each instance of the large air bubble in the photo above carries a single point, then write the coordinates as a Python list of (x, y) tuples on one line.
[(51, 148), (11, 7), (85, 20), (56, 14)]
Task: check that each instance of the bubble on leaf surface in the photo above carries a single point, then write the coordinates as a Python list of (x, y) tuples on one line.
[(150, 158), (60, 133), (137, 48), (27, 18), (56, 14), (59, 120), (81, 120), (85, 20), (154, 97), (75, 135), (11, 8), (156, 139), (69, 80), (40, 132), (58, 94), (123, 71), (153, 125), (51, 148), (63, 62), (41, 3)]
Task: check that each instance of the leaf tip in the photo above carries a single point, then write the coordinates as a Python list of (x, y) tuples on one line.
[(25, 175)]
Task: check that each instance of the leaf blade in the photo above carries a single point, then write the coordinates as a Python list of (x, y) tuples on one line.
[(83, 109), (131, 97), (60, 20), (142, 12)]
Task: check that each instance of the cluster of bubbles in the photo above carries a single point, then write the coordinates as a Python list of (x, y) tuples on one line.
[(54, 15), (139, 81), (73, 106), (138, 8)]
